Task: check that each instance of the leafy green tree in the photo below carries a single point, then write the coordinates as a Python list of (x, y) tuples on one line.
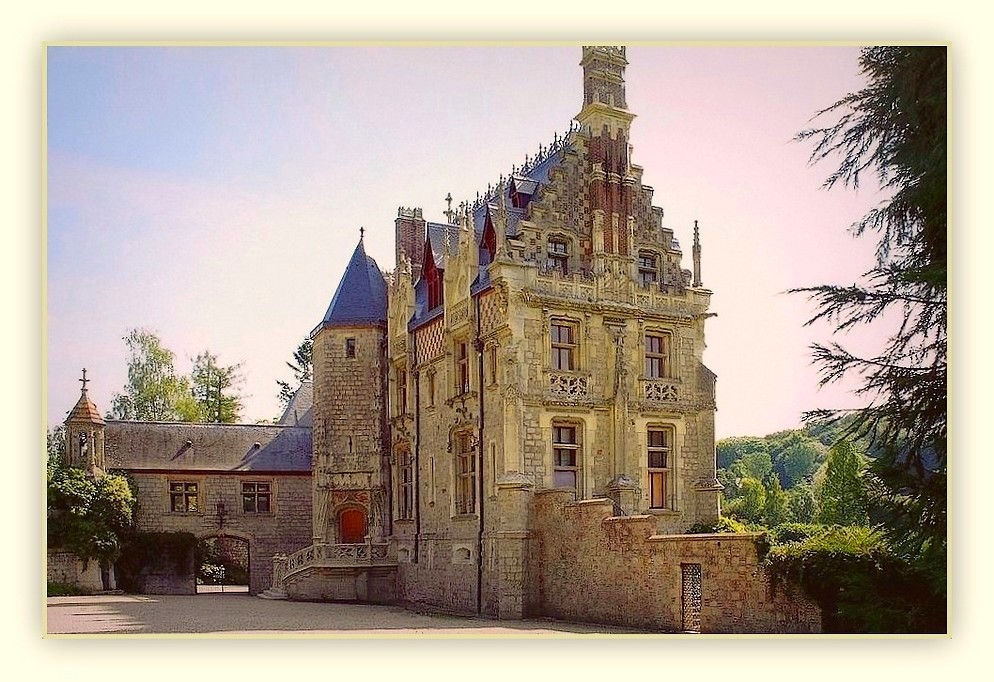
[(799, 460), (303, 369), (727, 450), (777, 508), (841, 496), (756, 465), (895, 129), (88, 516), (154, 392), (215, 389), (751, 503), (801, 501)]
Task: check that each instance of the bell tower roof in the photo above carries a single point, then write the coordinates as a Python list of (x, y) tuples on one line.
[(84, 410)]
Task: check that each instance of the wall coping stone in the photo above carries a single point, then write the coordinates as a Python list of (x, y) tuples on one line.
[(702, 537)]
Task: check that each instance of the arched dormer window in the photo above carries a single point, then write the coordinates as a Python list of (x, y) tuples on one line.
[(488, 241), (433, 278)]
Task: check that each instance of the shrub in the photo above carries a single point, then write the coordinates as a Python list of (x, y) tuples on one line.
[(859, 584), (65, 590), (722, 525), (795, 532)]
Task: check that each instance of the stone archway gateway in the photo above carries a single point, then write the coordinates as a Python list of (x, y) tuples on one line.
[(222, 564), (352, 526)]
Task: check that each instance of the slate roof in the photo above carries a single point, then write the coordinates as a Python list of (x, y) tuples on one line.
[(157, 446), (436, 238), (298, 412), (361, 297)]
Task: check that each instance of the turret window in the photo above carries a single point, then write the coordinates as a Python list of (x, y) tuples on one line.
[(350, 348)]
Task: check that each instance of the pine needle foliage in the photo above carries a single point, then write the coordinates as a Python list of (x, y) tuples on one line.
[(895, 130)]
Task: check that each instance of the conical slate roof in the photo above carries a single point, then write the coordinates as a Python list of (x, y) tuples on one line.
[(361, 297)]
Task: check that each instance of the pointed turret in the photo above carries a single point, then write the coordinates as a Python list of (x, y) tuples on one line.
[(349, 407), (361, 297)]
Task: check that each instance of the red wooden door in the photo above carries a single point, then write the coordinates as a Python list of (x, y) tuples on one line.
[(352, 526)]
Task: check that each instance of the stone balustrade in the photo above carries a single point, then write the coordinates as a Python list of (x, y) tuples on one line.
[(329, 555), (570, 386)]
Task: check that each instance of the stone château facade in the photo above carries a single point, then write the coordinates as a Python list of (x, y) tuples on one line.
[(518, 421)]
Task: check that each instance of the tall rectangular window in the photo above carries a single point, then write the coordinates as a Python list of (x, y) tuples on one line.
[(431, 388), (257, 497), (462, 368), (401, 391), (183, 497), (493, 364), (660, 463), (406, 493), (350, 348), (564, 345), (566, 457), (657, 356), (465, 475)]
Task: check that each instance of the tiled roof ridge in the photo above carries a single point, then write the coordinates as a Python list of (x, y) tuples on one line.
[(211, 425)]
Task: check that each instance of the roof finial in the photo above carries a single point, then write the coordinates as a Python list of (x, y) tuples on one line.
[(362, 233), (449, 213), (84, 380)]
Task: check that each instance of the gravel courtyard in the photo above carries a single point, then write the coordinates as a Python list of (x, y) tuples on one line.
[(239, 614)]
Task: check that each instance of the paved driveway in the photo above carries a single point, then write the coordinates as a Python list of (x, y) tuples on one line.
[(239, 614)]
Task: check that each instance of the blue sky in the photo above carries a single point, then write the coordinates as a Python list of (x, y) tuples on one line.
[(214, 194)]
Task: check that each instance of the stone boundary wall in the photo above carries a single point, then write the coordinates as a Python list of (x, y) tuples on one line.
[(67, 568), (593, 567)]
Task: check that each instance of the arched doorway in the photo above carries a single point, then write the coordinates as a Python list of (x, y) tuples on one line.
[(222, 564), (352, 526)]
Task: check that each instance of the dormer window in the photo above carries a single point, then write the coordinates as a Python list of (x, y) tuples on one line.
[(434, 289), (648, 268), (559, 256)]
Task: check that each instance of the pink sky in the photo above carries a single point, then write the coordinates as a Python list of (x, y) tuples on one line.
[(215, 195)]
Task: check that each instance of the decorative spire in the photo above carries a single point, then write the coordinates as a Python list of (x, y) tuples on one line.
[(697, 256), (84, 380)]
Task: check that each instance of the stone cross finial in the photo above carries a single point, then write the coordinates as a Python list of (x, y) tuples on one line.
[(449, 213), (84, 380)]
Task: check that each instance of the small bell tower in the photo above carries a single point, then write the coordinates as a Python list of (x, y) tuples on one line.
[(85, 435)]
